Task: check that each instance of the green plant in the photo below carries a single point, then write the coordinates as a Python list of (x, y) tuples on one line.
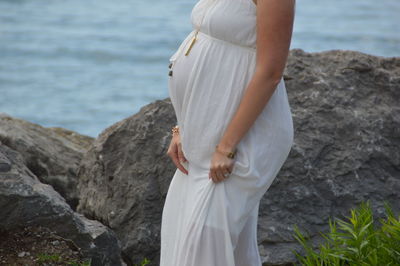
[(48, 258), (355, 241), (144, 262), (77, 263), (42, 258)]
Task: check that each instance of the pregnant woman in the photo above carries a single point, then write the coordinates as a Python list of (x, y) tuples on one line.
[(234, 130)]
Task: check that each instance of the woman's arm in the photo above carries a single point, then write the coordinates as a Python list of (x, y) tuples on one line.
[(275, 20)]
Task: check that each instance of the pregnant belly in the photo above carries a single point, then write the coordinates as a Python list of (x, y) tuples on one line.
[(177, 83)]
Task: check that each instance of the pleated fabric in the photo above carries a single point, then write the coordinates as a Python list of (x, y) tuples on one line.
[(215, 224)]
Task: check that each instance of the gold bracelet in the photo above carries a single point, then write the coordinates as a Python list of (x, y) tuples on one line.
[(230, 154), (175, 129)]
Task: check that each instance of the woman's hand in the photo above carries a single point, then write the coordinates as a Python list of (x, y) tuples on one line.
[(175, 152), (220, 165)]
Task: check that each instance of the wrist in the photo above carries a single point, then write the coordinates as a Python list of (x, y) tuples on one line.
[(228, 150), (226, 146)]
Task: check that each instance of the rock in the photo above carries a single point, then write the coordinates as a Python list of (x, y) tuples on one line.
[(345, 107), (52, 154), (5, 164), (346, 112), (25, 201), (21, 254), (124, 177)]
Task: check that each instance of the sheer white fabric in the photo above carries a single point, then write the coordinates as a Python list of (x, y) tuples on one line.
[(215, 224)]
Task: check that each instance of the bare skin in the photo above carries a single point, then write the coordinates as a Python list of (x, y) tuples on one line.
[(275, 20), (175, 152)]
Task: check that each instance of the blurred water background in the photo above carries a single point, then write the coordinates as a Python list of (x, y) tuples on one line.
[(85, 65)]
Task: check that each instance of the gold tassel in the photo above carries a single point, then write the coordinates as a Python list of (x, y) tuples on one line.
[(191, 44)]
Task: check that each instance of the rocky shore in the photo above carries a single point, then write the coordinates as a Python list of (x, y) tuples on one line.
[(105, 195)]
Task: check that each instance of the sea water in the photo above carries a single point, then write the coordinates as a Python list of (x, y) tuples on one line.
[(85, 65)]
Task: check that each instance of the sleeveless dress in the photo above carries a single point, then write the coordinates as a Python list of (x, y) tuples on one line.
[(215, 224)]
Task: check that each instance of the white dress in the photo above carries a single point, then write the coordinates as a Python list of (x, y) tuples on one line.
[(215, 224)]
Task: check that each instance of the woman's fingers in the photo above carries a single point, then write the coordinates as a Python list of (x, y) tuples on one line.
[(212, 175), (174, 154), (228, 170), (217, 174), (181, 157), (178, 163), (220, 175)]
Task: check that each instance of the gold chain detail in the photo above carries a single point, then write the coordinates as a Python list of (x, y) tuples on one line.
[(230, 154)]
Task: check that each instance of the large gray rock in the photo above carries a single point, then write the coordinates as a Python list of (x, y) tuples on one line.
[(25, 201), (124, 178), (346, 113), (52, 154)]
